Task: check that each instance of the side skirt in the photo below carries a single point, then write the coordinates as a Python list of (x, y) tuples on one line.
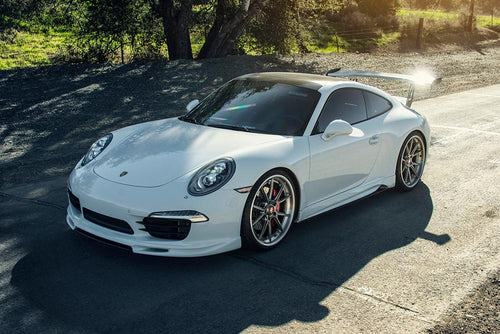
[(346, 198)]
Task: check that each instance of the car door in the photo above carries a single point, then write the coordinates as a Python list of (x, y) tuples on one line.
[(345, 161)]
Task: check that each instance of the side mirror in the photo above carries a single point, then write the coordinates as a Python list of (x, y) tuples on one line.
[(191, 105), (336, 128)]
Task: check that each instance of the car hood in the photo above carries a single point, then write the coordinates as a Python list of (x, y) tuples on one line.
[(159, 152)]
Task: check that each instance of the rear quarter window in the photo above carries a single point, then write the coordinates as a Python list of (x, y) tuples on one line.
[(376, 105), (347, 104)]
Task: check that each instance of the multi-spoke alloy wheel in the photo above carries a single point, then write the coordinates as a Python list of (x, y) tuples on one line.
[(410, 162), (269, 211)]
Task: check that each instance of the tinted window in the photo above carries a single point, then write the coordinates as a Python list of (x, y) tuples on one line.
[(376, 105), (257, 106), (344, 104)]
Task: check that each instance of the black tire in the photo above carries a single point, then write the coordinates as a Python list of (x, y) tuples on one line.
[(411, 162), (266, 221)]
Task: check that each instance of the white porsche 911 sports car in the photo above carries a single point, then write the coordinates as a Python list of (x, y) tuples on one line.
[(263, 151)]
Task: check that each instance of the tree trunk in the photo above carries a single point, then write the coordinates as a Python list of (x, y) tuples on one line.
[(298, 36), (225, 31), (176, 22), (121, 51), (212, 34)]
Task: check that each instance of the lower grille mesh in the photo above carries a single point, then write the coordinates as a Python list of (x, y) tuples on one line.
[(175, 229), (108, 222)]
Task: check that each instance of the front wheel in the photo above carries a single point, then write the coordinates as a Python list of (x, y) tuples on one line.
[(411, 162), (269, 211)]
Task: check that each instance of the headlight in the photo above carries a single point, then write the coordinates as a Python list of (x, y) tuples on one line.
[(212, 177), (97, 148)]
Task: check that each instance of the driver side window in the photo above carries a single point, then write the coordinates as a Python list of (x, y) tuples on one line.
[(346, 104)]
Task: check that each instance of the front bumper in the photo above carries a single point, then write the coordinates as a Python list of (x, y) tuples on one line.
[(221, 233)]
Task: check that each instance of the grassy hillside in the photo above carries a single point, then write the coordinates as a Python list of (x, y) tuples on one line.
[(26, 45), (31, 49), (446, 19)]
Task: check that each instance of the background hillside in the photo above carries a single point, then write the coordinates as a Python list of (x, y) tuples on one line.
[(43, 32)]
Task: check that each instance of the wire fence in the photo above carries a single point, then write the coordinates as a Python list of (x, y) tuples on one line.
[(343, 38)]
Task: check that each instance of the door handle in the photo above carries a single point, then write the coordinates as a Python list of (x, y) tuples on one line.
[(374, 140)]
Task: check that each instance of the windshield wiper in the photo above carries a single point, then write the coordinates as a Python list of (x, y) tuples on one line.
[(190, 120), (231, 127)]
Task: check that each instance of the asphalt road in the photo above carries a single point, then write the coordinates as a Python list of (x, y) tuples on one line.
[(390, 263)]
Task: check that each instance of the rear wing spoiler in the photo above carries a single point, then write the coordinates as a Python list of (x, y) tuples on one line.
[(418, 79)]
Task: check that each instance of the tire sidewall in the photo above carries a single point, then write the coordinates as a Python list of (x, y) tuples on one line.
[(400, 184), (247, 235)]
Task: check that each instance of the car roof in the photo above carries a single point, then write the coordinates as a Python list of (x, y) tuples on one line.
[(311, 81)]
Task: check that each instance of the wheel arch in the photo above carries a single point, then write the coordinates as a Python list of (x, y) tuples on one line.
[(420, 132), (423, 136), (295, 182), (244, 232), (398, 174)]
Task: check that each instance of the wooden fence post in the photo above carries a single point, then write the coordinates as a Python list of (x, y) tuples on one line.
[(420, 32), (471, 16)]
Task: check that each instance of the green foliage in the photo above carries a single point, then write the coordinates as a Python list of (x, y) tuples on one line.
[(425, 4), (274, 30), (42, 13), (351, 28), (489, 22), (202, 18), (376, 8), (288, 26), (108, 28), (39, 32), (20, 9), (435, 22)]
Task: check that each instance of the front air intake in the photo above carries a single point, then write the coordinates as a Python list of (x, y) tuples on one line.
[(74, 201), (166, 228), (108, 222)]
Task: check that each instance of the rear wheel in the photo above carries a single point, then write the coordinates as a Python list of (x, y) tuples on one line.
[(411, 162), (269, 211)]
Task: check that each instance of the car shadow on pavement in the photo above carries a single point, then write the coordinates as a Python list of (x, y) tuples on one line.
[(78, 284)]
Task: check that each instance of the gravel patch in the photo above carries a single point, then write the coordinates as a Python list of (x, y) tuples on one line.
[(477, 313)]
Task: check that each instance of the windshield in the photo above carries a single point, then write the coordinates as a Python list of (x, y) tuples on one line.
[(257, 106)]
